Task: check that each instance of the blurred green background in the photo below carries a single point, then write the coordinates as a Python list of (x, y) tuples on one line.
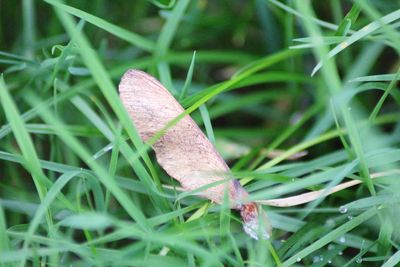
[(265, 79)]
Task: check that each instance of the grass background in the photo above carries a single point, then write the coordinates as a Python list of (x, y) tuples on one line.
[(78, 188)]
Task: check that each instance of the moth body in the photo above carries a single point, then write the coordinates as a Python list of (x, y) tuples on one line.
[(183, 151)]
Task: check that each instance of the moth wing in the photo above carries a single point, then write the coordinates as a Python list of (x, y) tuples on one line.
[(184, 152)]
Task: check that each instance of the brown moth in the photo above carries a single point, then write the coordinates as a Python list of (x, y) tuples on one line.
[(184, 152)]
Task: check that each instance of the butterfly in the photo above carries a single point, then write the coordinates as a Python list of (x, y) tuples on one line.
[(183, 151)]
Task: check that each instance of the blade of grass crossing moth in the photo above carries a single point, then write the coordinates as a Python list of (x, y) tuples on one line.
[(113, 29), (99, 170), (31, 160), (188, 79), (224, 216)]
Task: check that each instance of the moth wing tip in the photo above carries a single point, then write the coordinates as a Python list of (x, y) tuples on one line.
[(128, 77)]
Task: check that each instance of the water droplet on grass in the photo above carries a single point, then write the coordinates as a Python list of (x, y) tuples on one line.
[(330, 222), (343, 209)]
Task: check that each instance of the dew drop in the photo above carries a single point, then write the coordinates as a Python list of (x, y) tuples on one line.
[(330, 222), (359, 260), (340, 253), (343, 209), (342, 239), (315, 259), (298, 259), (350, 217), (329, 261)]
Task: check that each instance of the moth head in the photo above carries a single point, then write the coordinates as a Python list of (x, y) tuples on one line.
[(255, 221)]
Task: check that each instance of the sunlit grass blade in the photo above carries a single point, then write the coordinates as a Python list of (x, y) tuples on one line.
[(365, 31)]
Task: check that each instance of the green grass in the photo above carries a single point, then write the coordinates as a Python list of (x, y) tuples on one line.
[(79, 188)]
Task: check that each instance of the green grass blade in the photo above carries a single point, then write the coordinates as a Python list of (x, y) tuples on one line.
[(188, 79), (365, 31), (119, 32), (332, 236)]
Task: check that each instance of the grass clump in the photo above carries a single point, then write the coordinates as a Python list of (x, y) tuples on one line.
[(265, 79)]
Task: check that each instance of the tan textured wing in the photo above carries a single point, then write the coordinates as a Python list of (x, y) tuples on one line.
[(183, 151)]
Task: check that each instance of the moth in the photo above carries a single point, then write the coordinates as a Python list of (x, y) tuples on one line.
[(183, 151)]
